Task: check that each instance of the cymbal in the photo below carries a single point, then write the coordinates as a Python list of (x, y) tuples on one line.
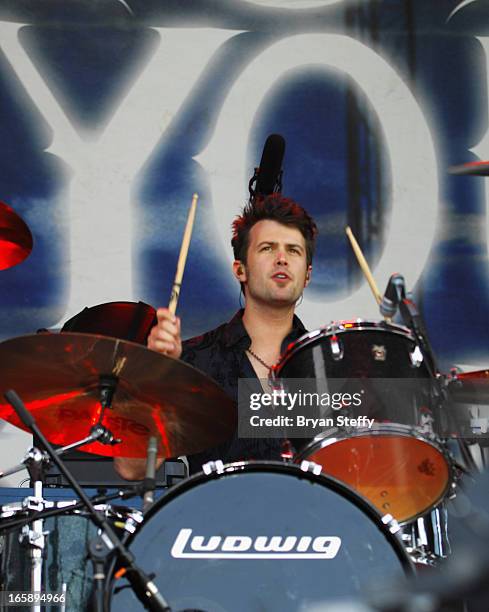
[(470, 387), (478, 168), (58, 375), (15, 238)]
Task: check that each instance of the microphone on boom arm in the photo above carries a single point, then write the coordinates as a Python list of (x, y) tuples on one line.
[(267, 177)]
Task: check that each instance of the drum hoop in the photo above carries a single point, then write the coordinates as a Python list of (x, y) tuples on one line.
[(382, 429), (338, 327), (390, 429), (337, 486)]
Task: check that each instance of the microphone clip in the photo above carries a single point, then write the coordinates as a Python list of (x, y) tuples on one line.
[(395, 293)]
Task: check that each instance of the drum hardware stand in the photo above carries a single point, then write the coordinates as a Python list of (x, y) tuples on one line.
[(35, 539), (439, 391), (396, 298), (142, 585), (416, 540), (412, 319), (479, 427), (55, 509), (107, 387), (99, 552), (34, 455)]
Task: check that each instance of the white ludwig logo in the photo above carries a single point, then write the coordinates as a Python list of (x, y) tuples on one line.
[(260, 547)]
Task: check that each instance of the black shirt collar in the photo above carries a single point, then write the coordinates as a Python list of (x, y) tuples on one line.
[(235, 334)]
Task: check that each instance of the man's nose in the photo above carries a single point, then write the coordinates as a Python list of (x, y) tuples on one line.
[(281, 258)]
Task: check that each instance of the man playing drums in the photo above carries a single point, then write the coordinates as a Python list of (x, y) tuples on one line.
[(273, 243)]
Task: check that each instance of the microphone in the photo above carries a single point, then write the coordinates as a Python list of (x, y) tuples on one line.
[(268, 176), (395, 292), (149, 480)]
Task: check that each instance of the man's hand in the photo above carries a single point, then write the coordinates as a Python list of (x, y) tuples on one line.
[(165, 335)]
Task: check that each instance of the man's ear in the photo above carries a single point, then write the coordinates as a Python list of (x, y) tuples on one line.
[(308, 276), (239, 271)]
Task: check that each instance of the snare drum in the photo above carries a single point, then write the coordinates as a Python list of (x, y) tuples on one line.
[(262, 536), (398, 463)]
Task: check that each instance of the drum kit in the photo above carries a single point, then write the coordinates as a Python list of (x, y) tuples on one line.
[(354, 507)]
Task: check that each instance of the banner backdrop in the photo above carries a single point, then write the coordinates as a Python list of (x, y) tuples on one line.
[(112, 113)]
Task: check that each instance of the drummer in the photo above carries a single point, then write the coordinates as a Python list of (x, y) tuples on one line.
[(273, 243)]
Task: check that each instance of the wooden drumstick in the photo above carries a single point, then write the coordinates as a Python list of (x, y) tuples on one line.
[(363, 264), (182, 258)]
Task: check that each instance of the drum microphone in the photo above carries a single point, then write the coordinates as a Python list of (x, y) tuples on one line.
[(267, 178), (149, 482), (395, 292)]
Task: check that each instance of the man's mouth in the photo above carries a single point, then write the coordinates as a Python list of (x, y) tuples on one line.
[(281, 276)]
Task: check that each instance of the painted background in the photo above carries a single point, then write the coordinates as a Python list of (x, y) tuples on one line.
[(113, 113)]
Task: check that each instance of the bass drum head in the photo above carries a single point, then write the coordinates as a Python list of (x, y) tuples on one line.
[(397, 470), (262, 536)]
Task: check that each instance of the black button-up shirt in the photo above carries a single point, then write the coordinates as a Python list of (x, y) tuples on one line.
[(221, 354)]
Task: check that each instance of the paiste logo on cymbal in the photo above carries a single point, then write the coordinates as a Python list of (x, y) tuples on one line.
[(118, 423)]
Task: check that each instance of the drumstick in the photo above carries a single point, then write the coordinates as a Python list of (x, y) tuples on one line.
[(182, 258), (363, 264)]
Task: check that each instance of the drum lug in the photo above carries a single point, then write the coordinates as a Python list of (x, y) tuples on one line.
[(310, 466), (391, 523), (337, 350), (416, 357), (452, 494), (213, 467)]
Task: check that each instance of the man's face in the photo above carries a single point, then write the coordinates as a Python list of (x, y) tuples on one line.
[(276, 271)]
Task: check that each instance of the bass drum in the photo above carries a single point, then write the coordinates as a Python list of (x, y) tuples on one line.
[(261, 536)]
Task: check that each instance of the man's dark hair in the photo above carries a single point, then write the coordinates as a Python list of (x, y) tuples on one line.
[(273, 207)]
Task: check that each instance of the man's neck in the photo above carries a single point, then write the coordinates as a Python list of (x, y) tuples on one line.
[(267, 324)]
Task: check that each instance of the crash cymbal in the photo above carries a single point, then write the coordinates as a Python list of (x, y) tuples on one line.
[(58, 378), (478, 168), (15, 238), (470, 387)]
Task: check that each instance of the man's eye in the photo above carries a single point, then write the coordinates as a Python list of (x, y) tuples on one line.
[(266, 248)]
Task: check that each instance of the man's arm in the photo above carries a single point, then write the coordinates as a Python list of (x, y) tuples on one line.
[(163, 338)]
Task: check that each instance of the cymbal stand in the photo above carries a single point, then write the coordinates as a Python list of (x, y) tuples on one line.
[(32, 536), (34, 455), (413, 320), (107, 386), (143, 586)]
